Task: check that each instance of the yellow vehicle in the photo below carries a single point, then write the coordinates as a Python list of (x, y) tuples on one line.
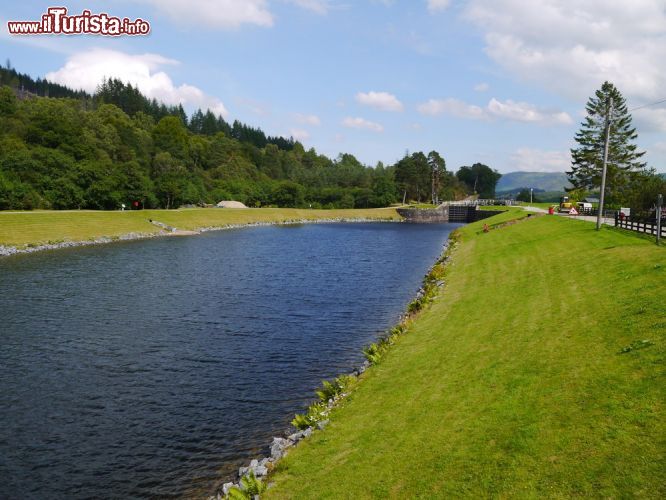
[(565, 205)]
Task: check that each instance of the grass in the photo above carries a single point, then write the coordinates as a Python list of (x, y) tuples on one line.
[(515, 382), (544, 205), (421, 205), (38, 227)]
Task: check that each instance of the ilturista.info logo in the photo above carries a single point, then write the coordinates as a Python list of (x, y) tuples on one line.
[(56, 21)]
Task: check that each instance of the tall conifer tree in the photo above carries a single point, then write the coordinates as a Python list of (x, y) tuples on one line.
[(623, 156)]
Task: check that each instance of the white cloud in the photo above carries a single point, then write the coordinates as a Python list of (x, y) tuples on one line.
[(225, 14), (453, 107), (317, 6), (299, 134), (507, 110), (481, 87), (308, 119), (571, 47), (362, 123), (379, 100), (537, 160), (525, 112), (438, 5), (86, 70)]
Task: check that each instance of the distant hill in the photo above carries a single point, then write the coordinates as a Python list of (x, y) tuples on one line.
[(546, 181)]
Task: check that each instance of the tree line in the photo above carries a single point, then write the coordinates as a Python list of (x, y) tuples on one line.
[(118, 147)]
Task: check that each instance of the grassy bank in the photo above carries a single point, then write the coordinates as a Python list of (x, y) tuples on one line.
[(514, 382), (38, 227)]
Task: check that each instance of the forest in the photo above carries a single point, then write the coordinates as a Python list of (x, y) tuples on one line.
[(66, 149)]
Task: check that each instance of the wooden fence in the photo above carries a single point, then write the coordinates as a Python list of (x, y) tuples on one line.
[(640, 225)]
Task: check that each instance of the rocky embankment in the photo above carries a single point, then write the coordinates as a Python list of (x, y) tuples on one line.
[(259, 468)]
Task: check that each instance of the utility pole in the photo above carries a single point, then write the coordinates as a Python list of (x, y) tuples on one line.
[(660, 202), (531, 189), (603, 172)]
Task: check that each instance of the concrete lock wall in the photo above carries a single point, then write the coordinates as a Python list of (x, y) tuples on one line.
[(421, 215), (450, 213)]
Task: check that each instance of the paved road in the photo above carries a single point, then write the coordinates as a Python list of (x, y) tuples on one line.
[(589, 218)]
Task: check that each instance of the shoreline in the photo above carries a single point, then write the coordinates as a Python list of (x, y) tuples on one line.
[(29, 248), (249, 478)]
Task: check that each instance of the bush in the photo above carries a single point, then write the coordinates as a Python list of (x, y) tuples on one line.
[(330, 390), (250, 486), (315, 413)]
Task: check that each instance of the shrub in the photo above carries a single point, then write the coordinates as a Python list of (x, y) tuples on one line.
[(316, 412), (249, 488), (330, 390)]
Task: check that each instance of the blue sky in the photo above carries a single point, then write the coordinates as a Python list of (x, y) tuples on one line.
[(503, 82)]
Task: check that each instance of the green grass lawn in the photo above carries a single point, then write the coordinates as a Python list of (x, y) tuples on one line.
[(512, 383), (543, 205), (23, 228), (421, 205)]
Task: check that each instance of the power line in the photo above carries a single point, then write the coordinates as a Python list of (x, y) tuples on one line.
[(646, 105)]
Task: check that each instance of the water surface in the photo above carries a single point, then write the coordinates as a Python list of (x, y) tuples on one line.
[(155, 368)]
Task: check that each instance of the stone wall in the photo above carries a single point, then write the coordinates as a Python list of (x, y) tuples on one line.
[(425, 215), (448, 213)]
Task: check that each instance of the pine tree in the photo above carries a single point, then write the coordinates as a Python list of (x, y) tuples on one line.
[(623, 158)]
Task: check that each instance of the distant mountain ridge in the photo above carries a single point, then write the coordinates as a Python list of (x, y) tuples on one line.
[(546, 181)]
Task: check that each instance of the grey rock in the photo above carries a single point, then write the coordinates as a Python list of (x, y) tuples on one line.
[(242, 471), (307, 432), (265, 461), (322, 424), (297, 436), (254, 463), (226, 487), (279, 446), (260, 471)]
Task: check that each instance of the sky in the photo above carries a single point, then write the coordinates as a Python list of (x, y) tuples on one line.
[(501, 82)]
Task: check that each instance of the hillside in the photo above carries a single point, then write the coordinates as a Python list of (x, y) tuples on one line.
[(82, 151), (546, 181)]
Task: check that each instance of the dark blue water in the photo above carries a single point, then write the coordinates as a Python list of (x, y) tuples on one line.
[(155, 368)]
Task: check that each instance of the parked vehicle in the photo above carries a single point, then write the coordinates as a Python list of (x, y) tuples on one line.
[(565, 205)]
